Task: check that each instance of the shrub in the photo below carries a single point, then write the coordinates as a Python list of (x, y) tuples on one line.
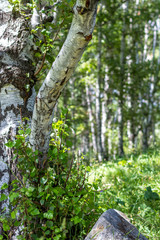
[(53, 201)]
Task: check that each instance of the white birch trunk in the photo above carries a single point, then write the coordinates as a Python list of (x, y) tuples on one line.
[(99, 96), (16, 56), (78, 37), (121, 97), (149, 121), (91, 120)]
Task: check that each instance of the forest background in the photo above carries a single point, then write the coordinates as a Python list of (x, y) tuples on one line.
[(109, 110)]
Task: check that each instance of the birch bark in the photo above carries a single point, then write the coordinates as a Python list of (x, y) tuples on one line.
[(148, 124), (121, 91), (99, 95), (78, 37), (16, 95), (91, 119)]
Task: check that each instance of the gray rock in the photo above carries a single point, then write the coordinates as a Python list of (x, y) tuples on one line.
[(114, 225)]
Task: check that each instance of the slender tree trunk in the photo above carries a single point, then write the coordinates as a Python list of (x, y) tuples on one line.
[(104, 122), (98, 97), (91, 119), (149, 121), (106, 116), (121, 97), (78, 37)]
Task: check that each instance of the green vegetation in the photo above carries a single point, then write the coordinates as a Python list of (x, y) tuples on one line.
[(52, 201), (63, 199), (132, 185)]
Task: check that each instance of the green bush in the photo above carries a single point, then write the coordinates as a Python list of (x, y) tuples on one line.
[(53, 201)]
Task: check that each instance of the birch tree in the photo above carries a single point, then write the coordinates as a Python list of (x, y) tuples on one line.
[(17, 76)]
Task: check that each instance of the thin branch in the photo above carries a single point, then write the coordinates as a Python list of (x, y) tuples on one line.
[(44, 56)]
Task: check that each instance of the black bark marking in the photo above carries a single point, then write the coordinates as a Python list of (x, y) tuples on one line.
[(63, 81), (81, 10), (67, 71), (87, 3), (80, 33)]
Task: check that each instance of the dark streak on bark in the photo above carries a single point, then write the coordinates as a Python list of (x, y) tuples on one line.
[(2, 117), (80, 33), (16, 110), (82, 10), (18, 67), (87, 3), (67, 71), (63, 81), (16, 75)]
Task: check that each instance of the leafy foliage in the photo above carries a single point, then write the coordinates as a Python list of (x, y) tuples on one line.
[(53, 202)]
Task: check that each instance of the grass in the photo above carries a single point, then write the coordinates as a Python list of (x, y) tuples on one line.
[(132, 185)]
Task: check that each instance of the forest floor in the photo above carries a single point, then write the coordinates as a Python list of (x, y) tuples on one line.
[(132, 185)]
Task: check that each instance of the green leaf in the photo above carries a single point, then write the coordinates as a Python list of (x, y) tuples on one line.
[(49, 224), (76, 219), (57, 237), (13, 195), (48, 215), (10, 144), (19, 141), (47, 232), (4, 186), (6, 227), (58, 191), (3, 197), (31, 189), (28, 131), (35, 211), (17, 223), (21, 132), (13, 214)]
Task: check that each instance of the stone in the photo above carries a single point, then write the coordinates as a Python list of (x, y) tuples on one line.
[(114, 225)]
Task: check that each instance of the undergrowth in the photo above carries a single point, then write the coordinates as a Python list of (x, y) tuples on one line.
[(132, 185), (64, 199), (52, 201)]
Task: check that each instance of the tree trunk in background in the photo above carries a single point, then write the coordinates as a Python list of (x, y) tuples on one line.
[(106, 116), (16, 95), (122, 77), (148, 124), (91, 119), (132, 99), (98, 96), (104, 122)]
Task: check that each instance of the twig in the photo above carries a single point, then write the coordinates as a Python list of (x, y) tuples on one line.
[(44, 56)]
